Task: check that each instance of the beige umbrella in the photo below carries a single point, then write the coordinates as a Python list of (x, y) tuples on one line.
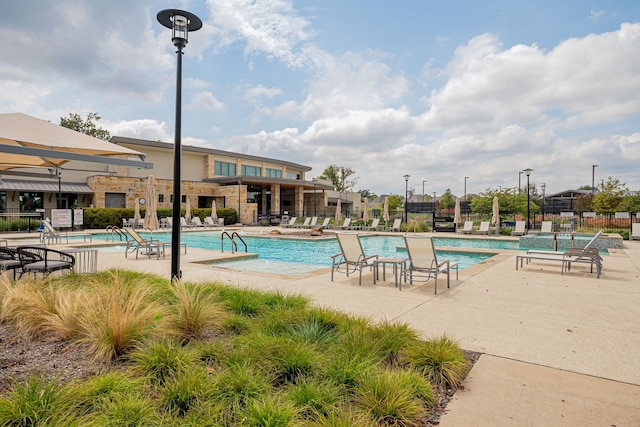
[(214, 213), (365, 215), (385, 212), (495, 219), (187, 214), (339, 211), (151, 222), (457, 218)]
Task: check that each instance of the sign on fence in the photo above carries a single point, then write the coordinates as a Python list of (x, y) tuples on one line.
[(78, 217), (622, 215), (61, 217), (588, 214), (566, 214)]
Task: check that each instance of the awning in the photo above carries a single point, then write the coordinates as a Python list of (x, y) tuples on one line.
[(44, 186), (26, 142)]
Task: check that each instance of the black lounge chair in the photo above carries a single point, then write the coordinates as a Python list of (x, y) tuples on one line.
[(40, 259), (9, 260)]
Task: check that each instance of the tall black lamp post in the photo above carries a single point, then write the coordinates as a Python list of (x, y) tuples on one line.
[(465, 188), (180, 22), (406, 196), (528, 173), (544, 187), (593, 179)]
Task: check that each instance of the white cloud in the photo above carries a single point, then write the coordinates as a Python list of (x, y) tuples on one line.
[(205, 101)]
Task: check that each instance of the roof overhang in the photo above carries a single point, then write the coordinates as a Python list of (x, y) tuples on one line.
[(262, 180), (44, 186)]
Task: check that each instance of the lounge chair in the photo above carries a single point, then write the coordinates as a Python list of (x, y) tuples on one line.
[(184, 224), (546, 227), (9, 260), (196, 222), (209, 222), (305, 224), (396, 225), (520, 228), (291, 223), (586, 255), (51, 235), (635, 231), (312, 224), (147, 246), (325, 222), (484, 228), (40, 259), (424, 263), (467, 229), (352, 257), (375, 223), (345, 225)]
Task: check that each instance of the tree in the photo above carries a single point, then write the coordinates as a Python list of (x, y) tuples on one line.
[(447, 200), (88, 126), (631, 203), (368, 194), (610, 199), (511, 201), (338, 176), (395, 201)]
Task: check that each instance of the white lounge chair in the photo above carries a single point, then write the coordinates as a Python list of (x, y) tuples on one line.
[(520, 228), (291, 222), (375, 223), (467, 229), (345, 224), (635, 231), (50, 235), (396, 225), (352, 257), (546, 227), (305, 224), (484, 228), (195, 222), (424, 263), (325, 222), (313, 223)]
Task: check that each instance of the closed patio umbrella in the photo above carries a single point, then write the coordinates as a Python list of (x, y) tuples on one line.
[(385, 211), (365, 215), (136, 211), (495, 218), (339, 211), (457, 218), (151, 222), (187, 214), (214, 214)]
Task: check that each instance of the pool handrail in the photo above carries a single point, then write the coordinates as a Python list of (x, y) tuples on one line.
[(234, 244)]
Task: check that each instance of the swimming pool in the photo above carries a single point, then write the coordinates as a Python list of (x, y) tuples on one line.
[(289, 256)]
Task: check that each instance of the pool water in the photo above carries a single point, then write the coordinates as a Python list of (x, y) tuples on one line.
[(295, 256)]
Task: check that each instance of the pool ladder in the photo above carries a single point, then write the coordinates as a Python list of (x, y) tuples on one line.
[(234, 244), (113, 231)]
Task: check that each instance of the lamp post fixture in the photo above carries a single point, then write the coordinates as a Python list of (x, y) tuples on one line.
[(528, 173), (406, 196), (593, 178), (519, 179), (180, 22), (465, 188), (423, 181), (544, 187)]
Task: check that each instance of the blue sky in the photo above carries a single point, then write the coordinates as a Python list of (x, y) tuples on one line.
[(437, 90)]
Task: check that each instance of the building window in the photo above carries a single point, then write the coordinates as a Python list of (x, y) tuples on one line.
[(225, 169), (3, 201), (274, 173), (293, 175), (30, 201), (251, 170), (160, 198)]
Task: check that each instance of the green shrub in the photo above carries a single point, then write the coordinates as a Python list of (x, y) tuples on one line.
[(269, 411), (195, 309), (314, 398), (441, 360), (126, 410), (186, 390), (161, 361)]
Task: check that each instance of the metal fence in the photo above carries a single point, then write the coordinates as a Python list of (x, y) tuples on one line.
[(16, 221)]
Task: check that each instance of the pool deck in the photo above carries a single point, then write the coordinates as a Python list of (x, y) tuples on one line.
[(557, 350)]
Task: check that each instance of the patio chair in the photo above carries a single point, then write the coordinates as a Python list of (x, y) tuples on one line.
[(396, 225), (352, 257), (291, 223), (325, 222), (9, 260), (209, 222), (306, 222), (586, 255), (40, 259), (484, 228), (546, 227), (50, 235), (467, 229), (345, 225), (147, 246), (312, 224), (520, 228), (184, 224), (424, 263), (375, 223), (196, 222), (635, 231)]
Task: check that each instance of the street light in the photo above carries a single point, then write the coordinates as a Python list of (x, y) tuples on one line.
[(593, 178), (406, 195), (423, 181), (544, 187), (528, 172), (180, 22), (519, 178), (465, 188)]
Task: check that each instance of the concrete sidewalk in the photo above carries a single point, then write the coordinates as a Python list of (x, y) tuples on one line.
[(557, 349)]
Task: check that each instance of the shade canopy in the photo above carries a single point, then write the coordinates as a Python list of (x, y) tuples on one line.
[(27, 142)]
